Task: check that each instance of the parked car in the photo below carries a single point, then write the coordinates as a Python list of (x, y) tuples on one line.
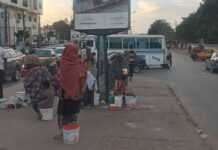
[(59, 51), (13, 65), (45, 55), (200, 53), (212, 63)]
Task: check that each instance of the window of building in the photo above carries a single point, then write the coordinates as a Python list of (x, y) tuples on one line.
[(14, 1), (115, 43), (19, 16), (40, 5), (35, 3), (2, 15), (35, 19), (30, 19), (25, 3)]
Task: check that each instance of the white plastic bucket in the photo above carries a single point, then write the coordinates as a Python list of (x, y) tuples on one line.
[(118, 101), (71, 134), (97, 99), (47, 114), (131, 101)]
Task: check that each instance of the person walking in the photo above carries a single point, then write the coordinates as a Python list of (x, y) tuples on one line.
[(72, 79), (169, 59), (3, 61), (37, 84)]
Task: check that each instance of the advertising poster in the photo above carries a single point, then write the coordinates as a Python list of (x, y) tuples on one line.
[(101, 14)]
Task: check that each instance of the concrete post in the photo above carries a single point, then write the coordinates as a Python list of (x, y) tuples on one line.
[(103, 68)]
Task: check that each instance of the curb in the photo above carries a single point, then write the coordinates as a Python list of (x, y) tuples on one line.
[(191, 120)]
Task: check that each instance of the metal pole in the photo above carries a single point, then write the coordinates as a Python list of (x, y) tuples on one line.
[(103, 68), (6, 26), (24, 28)]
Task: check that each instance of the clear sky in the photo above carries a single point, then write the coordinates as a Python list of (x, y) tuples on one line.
[(144, 12)]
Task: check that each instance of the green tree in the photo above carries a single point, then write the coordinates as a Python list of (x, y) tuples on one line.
[(201, 24), (62, 29), (162, 27), (22, 35), (50, 34)]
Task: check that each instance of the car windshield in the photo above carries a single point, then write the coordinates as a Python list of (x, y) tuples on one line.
[(43, 53), (59, 50)]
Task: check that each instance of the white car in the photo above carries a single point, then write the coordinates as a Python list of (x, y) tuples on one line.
[(13, 65), (59, 51)]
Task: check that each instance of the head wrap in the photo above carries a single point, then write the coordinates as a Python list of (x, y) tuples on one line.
[(72, 71)]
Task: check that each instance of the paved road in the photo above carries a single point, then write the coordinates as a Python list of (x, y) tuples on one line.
[(197, 88)]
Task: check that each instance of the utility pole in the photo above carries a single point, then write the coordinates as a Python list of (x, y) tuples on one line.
[(24, 28), (6, 25), (103, 76)]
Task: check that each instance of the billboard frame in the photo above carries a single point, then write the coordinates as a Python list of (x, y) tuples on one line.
[(100, 32)]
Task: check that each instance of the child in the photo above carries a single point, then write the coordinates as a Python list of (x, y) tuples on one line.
[(90, 89)]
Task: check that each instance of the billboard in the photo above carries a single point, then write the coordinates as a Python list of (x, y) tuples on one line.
[(101, 14)]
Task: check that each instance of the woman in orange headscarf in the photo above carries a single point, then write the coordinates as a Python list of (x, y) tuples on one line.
[(72, 77)]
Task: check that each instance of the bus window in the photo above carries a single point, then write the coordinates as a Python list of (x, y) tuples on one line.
[(156, 43), (115, 43), (89, 43), (129, 43), (142, 43)]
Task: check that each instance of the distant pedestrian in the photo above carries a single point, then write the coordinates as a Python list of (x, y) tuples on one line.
[(90, 89), (3, 61), (37, 84), (169, 59), (72, 81)]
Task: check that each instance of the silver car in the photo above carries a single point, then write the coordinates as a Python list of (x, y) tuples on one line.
[(13, 65)]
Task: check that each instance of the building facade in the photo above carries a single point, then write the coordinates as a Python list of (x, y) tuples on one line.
[(17, 16)]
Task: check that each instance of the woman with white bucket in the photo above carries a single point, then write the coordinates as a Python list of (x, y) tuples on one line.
[(37, 84), (72, 79)]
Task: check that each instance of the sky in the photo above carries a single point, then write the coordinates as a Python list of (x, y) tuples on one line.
[(144, 12)]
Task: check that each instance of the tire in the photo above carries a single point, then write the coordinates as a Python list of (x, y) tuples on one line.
[(166, 66), (206, 68), (16, 75), (137, 69), (211, 70)]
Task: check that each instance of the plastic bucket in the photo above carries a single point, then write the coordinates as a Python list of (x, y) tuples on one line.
[(47, 114), (97, 99), (71, 133), (113, 108), (118, 101), (131, 101)]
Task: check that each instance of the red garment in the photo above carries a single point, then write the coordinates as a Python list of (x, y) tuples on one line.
[(72, 71), (120, 87)]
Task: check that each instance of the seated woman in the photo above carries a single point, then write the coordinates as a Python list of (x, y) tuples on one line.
[(34, 83)]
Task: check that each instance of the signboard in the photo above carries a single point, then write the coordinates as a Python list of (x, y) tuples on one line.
[(102, 14)]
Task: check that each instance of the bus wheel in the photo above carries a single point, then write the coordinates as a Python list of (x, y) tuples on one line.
[(137, 69), (166, 66)]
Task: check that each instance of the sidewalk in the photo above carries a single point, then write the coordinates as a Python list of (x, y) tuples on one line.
[(158, 123)]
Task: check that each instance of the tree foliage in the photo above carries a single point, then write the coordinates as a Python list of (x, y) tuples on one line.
[(201, 24), (162, 27), (62, 29)]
